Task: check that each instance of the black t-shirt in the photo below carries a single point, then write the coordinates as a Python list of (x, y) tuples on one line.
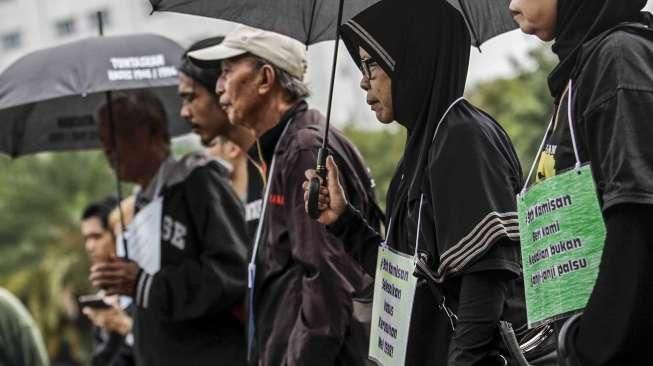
[(613, 111)]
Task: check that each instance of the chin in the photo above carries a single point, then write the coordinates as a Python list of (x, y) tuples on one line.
[(384, 119)]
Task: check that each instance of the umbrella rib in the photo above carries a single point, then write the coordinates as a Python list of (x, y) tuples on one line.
[(310, 25)]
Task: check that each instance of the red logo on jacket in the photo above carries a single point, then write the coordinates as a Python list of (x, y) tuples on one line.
[(277, 199)]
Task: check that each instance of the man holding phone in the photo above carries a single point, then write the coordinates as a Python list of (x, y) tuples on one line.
[(112, 325)]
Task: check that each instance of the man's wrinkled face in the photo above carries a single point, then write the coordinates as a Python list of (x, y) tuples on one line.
[(536, 17), (201, 109), (238, 90), (98, 240), (378, 86)]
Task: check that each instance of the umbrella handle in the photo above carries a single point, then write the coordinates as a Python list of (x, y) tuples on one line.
[(314, 186)]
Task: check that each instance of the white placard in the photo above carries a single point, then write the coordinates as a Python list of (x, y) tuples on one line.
[(144, 237), (394, 292)]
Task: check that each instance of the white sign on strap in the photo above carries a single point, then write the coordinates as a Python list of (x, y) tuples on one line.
[(394, 292), (144, 237)]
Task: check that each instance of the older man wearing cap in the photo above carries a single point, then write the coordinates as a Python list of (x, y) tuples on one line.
[(305, 281)]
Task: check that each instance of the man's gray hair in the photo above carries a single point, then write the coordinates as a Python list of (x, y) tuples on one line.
[(294, 88)]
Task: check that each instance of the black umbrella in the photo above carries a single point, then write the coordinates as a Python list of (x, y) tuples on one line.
[(309, 21), (48, 98), (485, 18), (317, 20)]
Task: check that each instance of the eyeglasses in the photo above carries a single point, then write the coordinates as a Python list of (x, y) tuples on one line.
[(367, 66)]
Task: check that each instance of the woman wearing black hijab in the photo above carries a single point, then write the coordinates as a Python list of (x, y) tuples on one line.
[(606, 50), (414, 59)]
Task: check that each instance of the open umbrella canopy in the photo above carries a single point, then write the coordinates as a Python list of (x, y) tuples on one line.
[(485, 18), (48, 98), (309, 21)]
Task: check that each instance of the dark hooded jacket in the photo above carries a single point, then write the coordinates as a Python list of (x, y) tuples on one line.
[(308, 287), (467, 171), (606, 49), (187, 312)]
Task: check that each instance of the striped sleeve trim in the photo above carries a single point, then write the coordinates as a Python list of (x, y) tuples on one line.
[(491, 228), (143, 288), (361, 32)]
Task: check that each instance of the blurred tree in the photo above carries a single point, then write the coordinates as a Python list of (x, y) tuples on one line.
[(382, 149), (42, 259), (522, 103)]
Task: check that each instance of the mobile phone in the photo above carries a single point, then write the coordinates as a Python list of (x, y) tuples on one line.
[(95, 301)]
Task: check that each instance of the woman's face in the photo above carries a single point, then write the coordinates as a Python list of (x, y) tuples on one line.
[(378, 86), (536, 17)]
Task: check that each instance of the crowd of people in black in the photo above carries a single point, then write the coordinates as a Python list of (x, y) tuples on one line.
[(242, 275)]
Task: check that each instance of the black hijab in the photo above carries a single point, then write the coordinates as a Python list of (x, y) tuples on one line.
[(578, 21), (424, 48)]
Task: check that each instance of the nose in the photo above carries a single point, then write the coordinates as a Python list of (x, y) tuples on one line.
[(88, 245), (365, 83), (219, 86), (514, 8), (185, 112)]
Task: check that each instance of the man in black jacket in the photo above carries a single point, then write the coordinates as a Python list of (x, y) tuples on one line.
[(605, 73), (187, 299), (305, 281), (201, 108)]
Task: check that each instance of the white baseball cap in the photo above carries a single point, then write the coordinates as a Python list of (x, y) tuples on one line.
[(281, 51)]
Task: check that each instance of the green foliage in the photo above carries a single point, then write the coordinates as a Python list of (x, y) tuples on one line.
[(382, 149), (522, 103), (42, 259)]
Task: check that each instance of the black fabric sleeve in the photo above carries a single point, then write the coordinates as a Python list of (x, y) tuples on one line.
[(619, 136), (617, 322), (472, 182), (359, 237), (481, 304), (216, 280)]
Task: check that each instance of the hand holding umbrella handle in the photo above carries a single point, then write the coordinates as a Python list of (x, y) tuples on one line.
[(314, 188)]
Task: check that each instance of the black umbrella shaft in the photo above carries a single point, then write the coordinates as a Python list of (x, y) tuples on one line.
[(315, 183), (325, 141), (100, 23), (116, 167)]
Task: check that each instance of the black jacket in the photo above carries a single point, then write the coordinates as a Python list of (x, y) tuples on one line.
[(306, 282), (185, 313), (612, 105)]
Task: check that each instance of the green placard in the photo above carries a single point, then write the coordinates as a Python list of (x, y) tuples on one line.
[(562, 236)]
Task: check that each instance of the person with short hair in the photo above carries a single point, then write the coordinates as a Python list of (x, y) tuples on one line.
[(225, 141), (187, 309), (112, 325), (305, 280)]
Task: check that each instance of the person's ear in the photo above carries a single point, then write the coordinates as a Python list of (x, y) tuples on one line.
[(233, 150), (267, 78)]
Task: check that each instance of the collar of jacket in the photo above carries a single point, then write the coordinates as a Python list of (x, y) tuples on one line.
[(270, 138)]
